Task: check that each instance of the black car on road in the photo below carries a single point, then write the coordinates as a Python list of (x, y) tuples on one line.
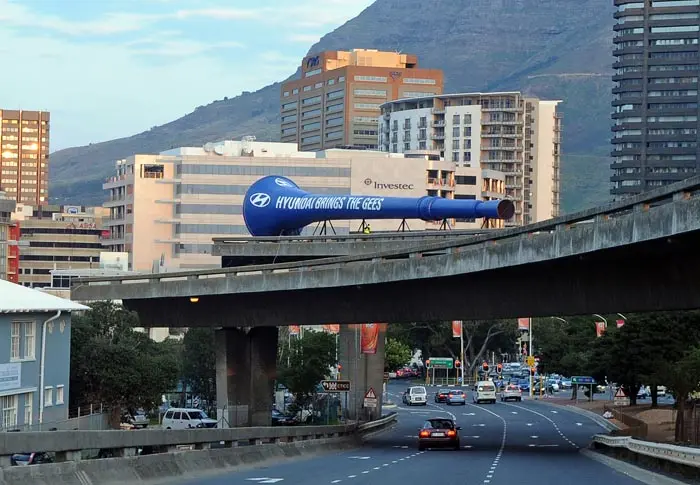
[(439, 433)]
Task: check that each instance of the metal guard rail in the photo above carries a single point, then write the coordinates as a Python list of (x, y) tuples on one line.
[(682, 455), (662, 195)]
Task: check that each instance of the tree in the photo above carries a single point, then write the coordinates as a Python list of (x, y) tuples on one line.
[(682, 378), (199, 362), (114, 365), (396, 354), (310, 360)]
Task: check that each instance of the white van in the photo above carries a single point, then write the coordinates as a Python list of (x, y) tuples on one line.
[(484, 391), (186, 418), (415, 395)]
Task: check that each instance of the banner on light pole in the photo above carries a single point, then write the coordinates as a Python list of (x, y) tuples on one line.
[(456, 329)]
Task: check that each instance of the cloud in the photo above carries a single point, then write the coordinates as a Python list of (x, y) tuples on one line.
[(304, 38), (114, 73)]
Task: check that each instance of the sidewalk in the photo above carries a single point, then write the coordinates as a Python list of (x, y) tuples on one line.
[(660, 421)]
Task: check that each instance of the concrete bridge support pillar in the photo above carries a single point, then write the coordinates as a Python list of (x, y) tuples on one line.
[(246, 365), (364, 370)]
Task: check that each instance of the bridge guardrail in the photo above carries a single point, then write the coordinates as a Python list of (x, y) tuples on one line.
[(683, 190), (373, 237), (69, 445), (378, 424), (681, 455)]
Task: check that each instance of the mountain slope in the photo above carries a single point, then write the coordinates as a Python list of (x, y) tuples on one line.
[(556, 49)]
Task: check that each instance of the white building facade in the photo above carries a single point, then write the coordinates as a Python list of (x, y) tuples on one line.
[(505, 133)]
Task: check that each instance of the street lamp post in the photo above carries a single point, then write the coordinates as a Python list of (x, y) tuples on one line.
[(530, 353)]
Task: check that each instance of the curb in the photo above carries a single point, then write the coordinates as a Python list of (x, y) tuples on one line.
[(601, 421)]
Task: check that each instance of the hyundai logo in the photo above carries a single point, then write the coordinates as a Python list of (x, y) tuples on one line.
[(312, 62), (260, 200), (368, 181), (283, 183)]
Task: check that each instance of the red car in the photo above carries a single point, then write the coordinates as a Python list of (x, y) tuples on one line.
[(439, 433)]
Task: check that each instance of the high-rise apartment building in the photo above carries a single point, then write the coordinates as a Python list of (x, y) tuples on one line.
[(165, 209), (336, 101), (24, 155), (7, 205), (655, 94), (505, 133), (55, 238)]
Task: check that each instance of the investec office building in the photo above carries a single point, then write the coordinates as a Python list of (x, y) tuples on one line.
[(165, 209)]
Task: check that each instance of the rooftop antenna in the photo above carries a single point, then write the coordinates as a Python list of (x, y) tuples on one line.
[(247, 145)]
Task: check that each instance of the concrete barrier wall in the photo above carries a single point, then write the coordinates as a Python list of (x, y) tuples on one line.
[(177, 465), (70, 441), (167, 467)]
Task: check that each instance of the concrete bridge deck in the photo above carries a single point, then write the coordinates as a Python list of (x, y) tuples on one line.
[(634, 255), (238, 251)]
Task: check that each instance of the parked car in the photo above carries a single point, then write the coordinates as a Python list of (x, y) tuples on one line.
[(137, 420), (439, 433), (281, 419), (24, 459), (186, 418)]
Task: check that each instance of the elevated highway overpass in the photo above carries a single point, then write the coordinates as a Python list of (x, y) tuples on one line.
[(634, 255), (242, 251)]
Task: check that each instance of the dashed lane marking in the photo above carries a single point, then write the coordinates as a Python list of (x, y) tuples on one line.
[(494, 464), (556, 426), (534, 437)]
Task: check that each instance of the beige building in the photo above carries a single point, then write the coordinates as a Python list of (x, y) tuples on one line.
[(504, 132), (336, 101), (57, 237), (24, 155), (7, 206), (165, 209)]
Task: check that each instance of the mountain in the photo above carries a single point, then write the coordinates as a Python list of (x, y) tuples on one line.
[(555, 49)]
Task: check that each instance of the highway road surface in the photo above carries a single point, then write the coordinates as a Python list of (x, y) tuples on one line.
[(526, 443)]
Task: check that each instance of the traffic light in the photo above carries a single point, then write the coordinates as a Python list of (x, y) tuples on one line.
[(499, 368), (427, 363), (458, 364), (340, 366), (485, 366), (532, 371)]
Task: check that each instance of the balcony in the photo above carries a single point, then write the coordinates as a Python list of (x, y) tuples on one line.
[(438, 111), (438, 124), (437, 136)]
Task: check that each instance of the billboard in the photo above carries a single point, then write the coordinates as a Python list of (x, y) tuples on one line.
[(332, 328), (10, 376), (114, 260), (523, 324)]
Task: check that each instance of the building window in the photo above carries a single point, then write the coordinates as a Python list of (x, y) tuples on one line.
[(455, 144), (406, 147), (412, 80), (465, 180), (455, 156), (28, 408), (371, 79), (380, 93), (59, 394), (455, 119), (15, 341), (455, 132), (9, 411), (467, 143), (467, 119), (422, 145), (286, 93), (467, 156), (29, 339), (48, 396), (395, 148), (467, 131)]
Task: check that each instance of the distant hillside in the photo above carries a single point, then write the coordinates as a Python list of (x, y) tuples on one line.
[(555, 49)]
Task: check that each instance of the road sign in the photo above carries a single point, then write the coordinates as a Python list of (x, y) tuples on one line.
[(336, 386), (621, 398), (582, 380), (530, 361), (441, 362), (371, 399)]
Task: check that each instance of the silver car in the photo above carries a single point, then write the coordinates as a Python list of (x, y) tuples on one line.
[(512, 392)]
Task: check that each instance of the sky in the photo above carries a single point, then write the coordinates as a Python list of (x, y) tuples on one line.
[(107, 69)]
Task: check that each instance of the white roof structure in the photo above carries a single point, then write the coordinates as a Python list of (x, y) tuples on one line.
[(19, 299)]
